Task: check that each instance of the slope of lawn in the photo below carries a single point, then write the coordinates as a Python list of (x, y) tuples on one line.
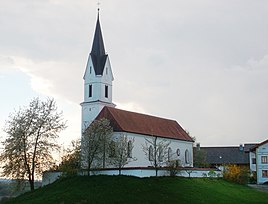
[(126, 189)]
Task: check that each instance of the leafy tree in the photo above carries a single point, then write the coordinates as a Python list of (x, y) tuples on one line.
[(156, 151), (95, 144), (31, 139), (122, 155), (199, 157), (71, 159)]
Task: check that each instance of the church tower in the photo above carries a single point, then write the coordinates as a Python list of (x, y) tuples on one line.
[(98, 80)]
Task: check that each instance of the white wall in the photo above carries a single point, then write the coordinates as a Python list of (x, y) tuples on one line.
[(252, 166), (91, 106), (143, 161), (50, 177)]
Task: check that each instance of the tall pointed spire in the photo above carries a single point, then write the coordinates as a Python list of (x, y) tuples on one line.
[(98, 54)]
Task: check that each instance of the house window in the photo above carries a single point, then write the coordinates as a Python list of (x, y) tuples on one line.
[(253, 160), (169, 154), (151, 153), (264, 159), (106, 91), (129, 149), (90, 91), (264, 173), (187, 157)]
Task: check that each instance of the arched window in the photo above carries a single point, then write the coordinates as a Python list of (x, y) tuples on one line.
[(90, 90), (112, 149), (169, 154), (187, 156), (129, 149), (161, 155), (178, 152), (151, 153), (106, 91)]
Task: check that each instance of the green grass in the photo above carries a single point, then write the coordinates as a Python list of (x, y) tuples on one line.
[(125, 189)]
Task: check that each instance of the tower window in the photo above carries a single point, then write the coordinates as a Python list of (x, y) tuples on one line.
[(90, 91), (90, 69), (106, 91)]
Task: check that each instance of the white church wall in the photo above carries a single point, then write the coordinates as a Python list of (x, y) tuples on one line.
[(98, 83), (143, 161)]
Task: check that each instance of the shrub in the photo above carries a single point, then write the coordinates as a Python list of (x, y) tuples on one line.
[(253, 178), (212, 174), (236, 174), (173, 167), (204, 175)]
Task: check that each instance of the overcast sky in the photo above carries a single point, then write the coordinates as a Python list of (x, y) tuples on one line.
[(202, 63)]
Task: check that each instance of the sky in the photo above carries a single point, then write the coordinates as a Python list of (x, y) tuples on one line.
[(201, 63)]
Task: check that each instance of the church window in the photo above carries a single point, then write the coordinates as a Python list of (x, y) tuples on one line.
[(129, 149), (178, 152), (90, 69), (106, 91), (161, 155), (151, 153), (112, 149), (90, 91), (169, 154), (187, 156)]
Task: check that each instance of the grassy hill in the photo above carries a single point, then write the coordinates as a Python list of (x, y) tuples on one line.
[(125, 189)]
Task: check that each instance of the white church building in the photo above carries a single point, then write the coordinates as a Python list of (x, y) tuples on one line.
[(136, 127), (98, 104)]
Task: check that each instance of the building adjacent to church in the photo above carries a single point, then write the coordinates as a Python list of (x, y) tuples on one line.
[(137, 127), (259, 161)]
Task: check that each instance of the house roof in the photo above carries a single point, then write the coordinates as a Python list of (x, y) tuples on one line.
[(226, 155), (126, 121), (257, 145), (97, 53), (247, 147)]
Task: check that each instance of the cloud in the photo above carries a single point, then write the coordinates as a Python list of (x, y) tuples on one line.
[(201, 63)]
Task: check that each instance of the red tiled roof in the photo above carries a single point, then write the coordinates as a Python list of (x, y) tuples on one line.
[(127, 121), (256, 146)]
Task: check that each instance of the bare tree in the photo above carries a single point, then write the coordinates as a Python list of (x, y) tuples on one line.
[(31, 139), (94, 144), (156, 151), (121, 152)]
